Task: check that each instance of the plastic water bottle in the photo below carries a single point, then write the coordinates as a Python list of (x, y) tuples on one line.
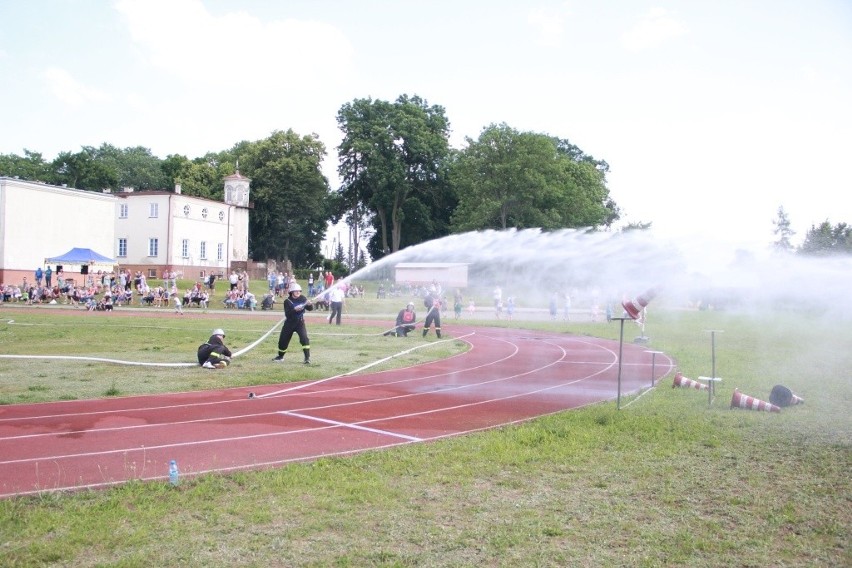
[(173, 472)]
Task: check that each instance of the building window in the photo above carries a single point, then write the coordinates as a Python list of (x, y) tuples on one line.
[(203, 250), (186, 210), (153, 247), (221, 215), (220, 251), (184, 248), (154, 211), (122, 247), (122, 211), (204, 212)]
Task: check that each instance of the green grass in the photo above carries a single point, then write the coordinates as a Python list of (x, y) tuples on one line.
[(668, 480)]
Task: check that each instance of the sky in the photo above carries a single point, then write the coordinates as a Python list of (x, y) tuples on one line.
[(711, 114)]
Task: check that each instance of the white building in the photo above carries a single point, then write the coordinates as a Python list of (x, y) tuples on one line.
[(149, 231)]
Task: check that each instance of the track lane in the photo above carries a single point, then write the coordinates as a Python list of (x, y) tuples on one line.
[(504, 378)]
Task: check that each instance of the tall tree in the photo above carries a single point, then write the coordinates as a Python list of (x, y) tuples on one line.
[(202, 177), (508, 178), (783, 231), (85, 170), (31, 166), (826, 240), (391, 154), (291, 196)]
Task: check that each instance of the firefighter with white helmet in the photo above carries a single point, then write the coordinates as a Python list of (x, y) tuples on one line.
[(214, 354), (294, 322)]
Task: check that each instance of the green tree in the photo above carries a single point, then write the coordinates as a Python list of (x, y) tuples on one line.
[(291, 197), (85, 170), (171, 167), (139, 168), (826, 240), (783, 231), (391, 154), (202, 177), (511, 179), (31, 166)]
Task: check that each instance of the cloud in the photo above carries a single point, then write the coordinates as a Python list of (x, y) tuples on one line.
[(183, 38), (654, 29), (69, 90), (548, 24)]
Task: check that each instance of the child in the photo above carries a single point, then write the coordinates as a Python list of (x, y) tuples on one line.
[(178, 303)]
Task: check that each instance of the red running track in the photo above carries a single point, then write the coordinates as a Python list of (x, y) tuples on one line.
[(506, 376)]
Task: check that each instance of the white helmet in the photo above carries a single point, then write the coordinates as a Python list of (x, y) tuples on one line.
[(219, 331), (294, 287)]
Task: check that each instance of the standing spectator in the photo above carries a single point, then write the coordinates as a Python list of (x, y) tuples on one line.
[(329, 279), (38, 276), (311, 285), (48, 275), (553, 307), (294, 322), (433, 315), (233, 279), (567, 312), (336, 298)]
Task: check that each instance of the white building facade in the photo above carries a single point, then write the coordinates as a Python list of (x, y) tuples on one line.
[(148, 232)]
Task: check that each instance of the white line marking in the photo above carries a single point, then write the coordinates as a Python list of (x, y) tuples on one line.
[(367, 366), (351, 425)]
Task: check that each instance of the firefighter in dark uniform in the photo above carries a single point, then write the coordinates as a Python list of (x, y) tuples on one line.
[(404, 321), (433, 315), (214, 354), (294, 322)]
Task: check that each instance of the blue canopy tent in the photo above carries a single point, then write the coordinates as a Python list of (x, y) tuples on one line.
[(80, 256), (85, 258)]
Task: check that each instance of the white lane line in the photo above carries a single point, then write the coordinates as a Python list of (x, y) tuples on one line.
[(351, 425), (367, 366)]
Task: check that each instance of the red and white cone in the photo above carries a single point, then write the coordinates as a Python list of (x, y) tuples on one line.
[(634, 307), (782, 396), (684, 383), (739, 400)]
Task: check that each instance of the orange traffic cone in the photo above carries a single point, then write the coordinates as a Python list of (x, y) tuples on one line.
[(635, 307), (739, 400), (684, 383)]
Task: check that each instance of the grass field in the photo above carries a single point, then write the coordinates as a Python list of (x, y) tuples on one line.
[(668, 480)]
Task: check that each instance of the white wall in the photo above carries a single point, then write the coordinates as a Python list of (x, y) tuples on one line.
[(38, 221)]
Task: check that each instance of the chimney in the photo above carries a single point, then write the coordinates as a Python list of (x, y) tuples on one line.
[(177, 188)]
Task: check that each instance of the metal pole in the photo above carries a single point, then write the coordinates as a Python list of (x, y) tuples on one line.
[(620, 350), (653, 365), (711, 387)]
